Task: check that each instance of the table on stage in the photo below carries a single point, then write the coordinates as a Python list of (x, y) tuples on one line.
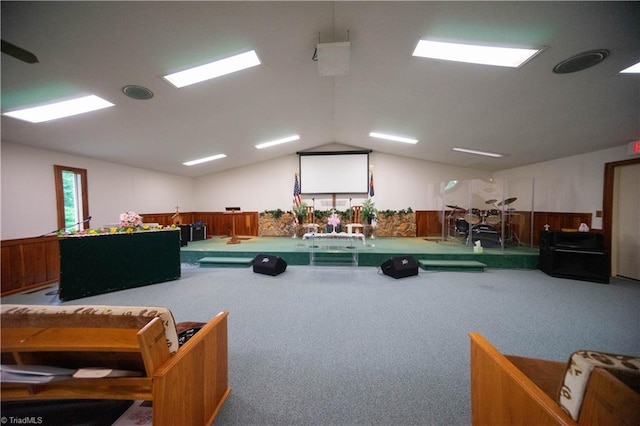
[(333, 239), (334, 236), (96, 264)]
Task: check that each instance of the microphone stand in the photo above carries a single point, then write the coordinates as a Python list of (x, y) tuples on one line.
[(66, 227)]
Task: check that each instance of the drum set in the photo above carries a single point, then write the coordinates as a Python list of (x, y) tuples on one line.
[(484, 225)]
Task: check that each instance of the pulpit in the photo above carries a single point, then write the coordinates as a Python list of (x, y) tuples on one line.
[(232, 212)]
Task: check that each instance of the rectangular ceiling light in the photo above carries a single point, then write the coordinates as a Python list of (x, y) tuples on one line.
[(473, 151), (278, 141), (392, 138), (60, 109), (204, 160), (633, 69), (214, 69), (474, 54)]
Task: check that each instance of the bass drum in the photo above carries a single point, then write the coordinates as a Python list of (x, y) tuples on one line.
[(487, 235), (462, 226), (494, 218), (473, 218)]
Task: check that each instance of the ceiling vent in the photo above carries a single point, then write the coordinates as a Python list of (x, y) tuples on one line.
[(581, 61), (137, 92)]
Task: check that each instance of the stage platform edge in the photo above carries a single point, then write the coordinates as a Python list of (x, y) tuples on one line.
[(373, 253)]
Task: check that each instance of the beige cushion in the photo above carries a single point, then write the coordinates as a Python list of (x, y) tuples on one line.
[(579, 368)]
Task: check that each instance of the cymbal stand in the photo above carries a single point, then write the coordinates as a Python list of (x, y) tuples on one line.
[(512, 236)]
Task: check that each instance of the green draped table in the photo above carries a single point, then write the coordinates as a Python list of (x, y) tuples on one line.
[(98, 264)]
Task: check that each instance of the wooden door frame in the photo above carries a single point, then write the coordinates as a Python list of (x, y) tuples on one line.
[(607, 198)]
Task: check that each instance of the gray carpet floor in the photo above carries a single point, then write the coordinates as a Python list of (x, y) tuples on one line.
[(349, 346)]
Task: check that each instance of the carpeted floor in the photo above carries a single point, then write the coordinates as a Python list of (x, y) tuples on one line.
[(347, 345)]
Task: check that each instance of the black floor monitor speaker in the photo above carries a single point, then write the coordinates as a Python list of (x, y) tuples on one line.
[(269, 265), (400, 267)]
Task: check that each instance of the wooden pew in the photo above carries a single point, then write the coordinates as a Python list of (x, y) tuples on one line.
[(187, 385), (510, 390)]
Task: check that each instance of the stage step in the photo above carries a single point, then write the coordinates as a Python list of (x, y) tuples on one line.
[(452, 265), (225, 261)]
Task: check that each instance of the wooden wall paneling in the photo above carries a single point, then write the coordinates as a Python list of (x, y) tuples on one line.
[(12, 268), (557, 221), (166, 219), (428, 223), (247, 223), (29, 263)]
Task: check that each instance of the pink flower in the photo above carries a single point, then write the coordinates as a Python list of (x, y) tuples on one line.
[(334, 220)]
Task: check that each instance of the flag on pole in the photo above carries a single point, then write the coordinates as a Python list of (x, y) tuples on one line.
[(296, 197), (371, 192)]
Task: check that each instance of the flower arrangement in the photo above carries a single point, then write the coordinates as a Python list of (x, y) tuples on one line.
[(130, 220), (333, 220), (114, 230)]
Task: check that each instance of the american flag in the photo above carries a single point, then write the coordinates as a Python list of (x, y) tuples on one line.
[(296, 197), (371, 192)]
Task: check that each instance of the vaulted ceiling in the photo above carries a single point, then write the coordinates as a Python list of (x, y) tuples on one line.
[(530, 114)]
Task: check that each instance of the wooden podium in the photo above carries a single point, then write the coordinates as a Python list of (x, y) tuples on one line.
[(232, 211)]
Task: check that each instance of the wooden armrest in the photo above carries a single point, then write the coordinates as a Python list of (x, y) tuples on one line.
[(608, 401), (502, 394), (197, 373)]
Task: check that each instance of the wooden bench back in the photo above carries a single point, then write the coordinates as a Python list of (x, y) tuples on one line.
[(116, 337)]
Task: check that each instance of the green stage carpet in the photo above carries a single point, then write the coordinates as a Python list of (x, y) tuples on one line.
[(372, 252)]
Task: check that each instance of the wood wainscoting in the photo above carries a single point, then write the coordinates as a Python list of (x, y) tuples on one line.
[(29, 263), (218, 223), (429, 223)]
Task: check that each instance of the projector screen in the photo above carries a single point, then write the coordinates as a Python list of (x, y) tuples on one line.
[(335, 172)]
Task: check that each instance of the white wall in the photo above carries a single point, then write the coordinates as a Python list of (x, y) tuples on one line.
[(571, 184), (28, 190), (399, 183), (258, 187)]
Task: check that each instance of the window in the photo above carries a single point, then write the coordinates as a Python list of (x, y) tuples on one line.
[(72, 201)]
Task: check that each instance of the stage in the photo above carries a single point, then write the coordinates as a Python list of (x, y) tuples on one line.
[(373, 252)]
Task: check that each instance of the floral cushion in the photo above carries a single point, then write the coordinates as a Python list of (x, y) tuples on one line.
[(89, 316), (579, 368)]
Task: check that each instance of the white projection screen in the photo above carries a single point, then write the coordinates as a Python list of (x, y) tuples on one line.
[(334, 172)]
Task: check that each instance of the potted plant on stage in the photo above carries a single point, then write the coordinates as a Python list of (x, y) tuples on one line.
[(300, 211), (368, 214)]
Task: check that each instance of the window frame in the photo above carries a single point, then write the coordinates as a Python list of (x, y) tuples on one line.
[(60, 194)]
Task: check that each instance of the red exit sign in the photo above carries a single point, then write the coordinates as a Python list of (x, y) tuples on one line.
[(634, 148)]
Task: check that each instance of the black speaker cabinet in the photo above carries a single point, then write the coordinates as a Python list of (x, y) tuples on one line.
[(400, 267), (185, 234), (269, 265), (198, 232)]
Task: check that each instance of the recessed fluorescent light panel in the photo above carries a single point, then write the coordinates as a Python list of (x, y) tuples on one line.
[(60, 109), (474, 54), (473, 151), (633, 69), (214, 69), (392, 138), (204, 160), (278, 141)]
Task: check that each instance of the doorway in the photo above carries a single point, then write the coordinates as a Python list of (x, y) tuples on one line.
[(621, 224)]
